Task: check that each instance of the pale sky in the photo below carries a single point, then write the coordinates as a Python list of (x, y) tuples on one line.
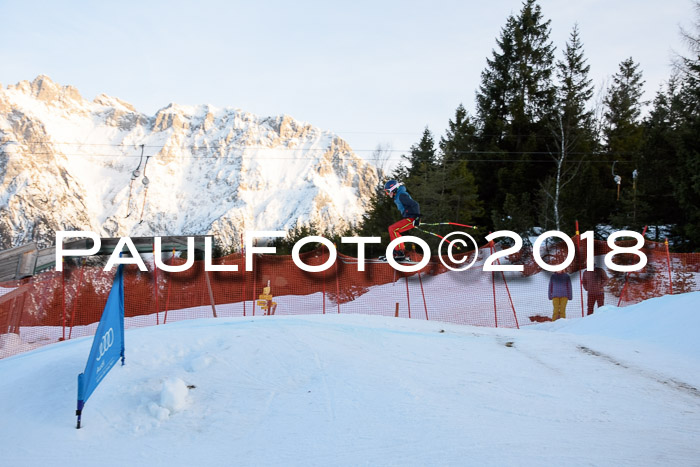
[(371, 71)]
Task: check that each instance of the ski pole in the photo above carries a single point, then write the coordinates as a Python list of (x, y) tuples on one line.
[(439, 236), (449, 223)]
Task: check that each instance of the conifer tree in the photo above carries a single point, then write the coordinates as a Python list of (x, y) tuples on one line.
[(457, 185), (571, 131), (659, 160), (515, 104), (493, 114), (687, 178), (623, 103), (623, 134), (421, 171)]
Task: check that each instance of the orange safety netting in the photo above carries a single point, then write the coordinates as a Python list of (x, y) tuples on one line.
[(55, 306)]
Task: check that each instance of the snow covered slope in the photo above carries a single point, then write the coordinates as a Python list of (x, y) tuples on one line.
[(616, 388), (66, 163)]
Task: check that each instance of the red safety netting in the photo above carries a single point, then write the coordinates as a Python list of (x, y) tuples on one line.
[(55, 306)]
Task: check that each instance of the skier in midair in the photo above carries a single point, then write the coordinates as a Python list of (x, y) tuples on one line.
[(410, 211)]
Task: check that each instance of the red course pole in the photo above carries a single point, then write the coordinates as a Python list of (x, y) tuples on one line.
[(509, 296), (425, 305), (624, 287), (337, 285), (324, 285), (255, 278), (167, 295), (493, 283), (63, 287), (155, 282), (580, 277), (408, 298), (75, 299), (668, 260)]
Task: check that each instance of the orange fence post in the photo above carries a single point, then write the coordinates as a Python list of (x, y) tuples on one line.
[(408, 298), (245, 279), (493, 283), (422, 291), (624, 286), (63, 287), (510, 299), (668, 260), (75, 299), (580, 277), (492, 247), (622, 292), (324, 285), (425, 305), (211, 294), (255, 281), (167, 295), (155, 281), (337, 285)]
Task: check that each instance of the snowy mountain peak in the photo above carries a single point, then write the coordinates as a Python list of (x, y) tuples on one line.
[(68, 163), (43, 89)]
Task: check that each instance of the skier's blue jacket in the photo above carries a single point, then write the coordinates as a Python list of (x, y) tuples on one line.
[(407, 205)]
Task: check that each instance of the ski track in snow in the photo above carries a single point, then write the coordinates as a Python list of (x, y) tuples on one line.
[(364, 390)]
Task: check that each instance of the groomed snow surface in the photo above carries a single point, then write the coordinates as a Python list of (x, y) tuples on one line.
[(620, 387)]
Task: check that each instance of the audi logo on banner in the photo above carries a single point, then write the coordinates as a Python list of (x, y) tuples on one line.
[(107, 342)]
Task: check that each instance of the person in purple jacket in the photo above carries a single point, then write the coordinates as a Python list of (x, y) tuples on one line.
[(559, 293)]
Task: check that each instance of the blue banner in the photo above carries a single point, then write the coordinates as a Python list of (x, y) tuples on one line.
[(108, 345)]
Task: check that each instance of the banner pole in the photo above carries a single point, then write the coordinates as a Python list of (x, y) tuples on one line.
[(79, 413)]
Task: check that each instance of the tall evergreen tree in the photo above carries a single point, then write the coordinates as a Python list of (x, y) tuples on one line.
[(492, 115), (575, 89), (687, 179), (624, 139), (659, 160), (422, 162), (572, 133), (515, 104), (456, 184), (623, 109)]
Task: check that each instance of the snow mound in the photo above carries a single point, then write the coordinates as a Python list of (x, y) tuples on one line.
[(369, 390), (174, 394), (671, 322)]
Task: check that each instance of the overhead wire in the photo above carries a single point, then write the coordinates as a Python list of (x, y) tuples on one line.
[(310, 150)]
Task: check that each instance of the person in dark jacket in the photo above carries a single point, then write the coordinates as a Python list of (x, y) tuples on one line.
[(409, 209), (559, 293), (594, 283)]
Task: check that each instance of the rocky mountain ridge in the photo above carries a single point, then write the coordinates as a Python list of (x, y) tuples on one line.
[(70, 164)]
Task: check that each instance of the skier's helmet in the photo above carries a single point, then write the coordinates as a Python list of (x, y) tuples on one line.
[(390, 187)]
